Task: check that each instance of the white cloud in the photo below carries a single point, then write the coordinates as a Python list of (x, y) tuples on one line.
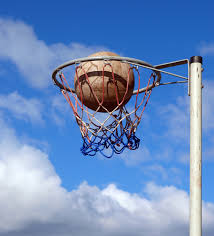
[(33, 202), (206, 49), (156, 170), (136, 157), (176, 115), (176, 118), (33, 57), (32, 109), (60, 110), (208, 105), (22, 108), (169, 174)]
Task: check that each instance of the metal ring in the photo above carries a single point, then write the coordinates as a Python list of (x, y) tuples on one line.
[(133, 61)]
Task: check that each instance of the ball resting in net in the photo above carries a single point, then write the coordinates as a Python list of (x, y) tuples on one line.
[(107, 122), (103, 86)]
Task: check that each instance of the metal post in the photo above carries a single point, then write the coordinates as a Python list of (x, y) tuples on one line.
[(195, 227)]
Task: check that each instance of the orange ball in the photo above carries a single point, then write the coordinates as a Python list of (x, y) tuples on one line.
[(94, 71)]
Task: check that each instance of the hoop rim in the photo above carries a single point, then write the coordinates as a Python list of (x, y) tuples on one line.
[(133, 61)]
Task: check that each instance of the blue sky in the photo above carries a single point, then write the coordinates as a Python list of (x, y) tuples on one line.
[(47, 186)]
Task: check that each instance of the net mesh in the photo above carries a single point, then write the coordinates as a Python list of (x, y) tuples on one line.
[(113, 131)]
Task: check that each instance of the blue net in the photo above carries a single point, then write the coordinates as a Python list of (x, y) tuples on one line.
[(114, 143), (113, 138)]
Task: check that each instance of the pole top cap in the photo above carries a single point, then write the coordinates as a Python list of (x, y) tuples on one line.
[(194, 59)]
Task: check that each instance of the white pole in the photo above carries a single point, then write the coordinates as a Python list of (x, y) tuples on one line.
[(195, 224)]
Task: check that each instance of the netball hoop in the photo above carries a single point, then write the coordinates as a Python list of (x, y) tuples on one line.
[(102, 126), (107, 113)]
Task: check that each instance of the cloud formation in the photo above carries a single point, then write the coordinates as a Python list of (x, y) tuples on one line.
[(34, 59), (22, 108), (33, 202), (60, 111), (176, 118), (207, 49)]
